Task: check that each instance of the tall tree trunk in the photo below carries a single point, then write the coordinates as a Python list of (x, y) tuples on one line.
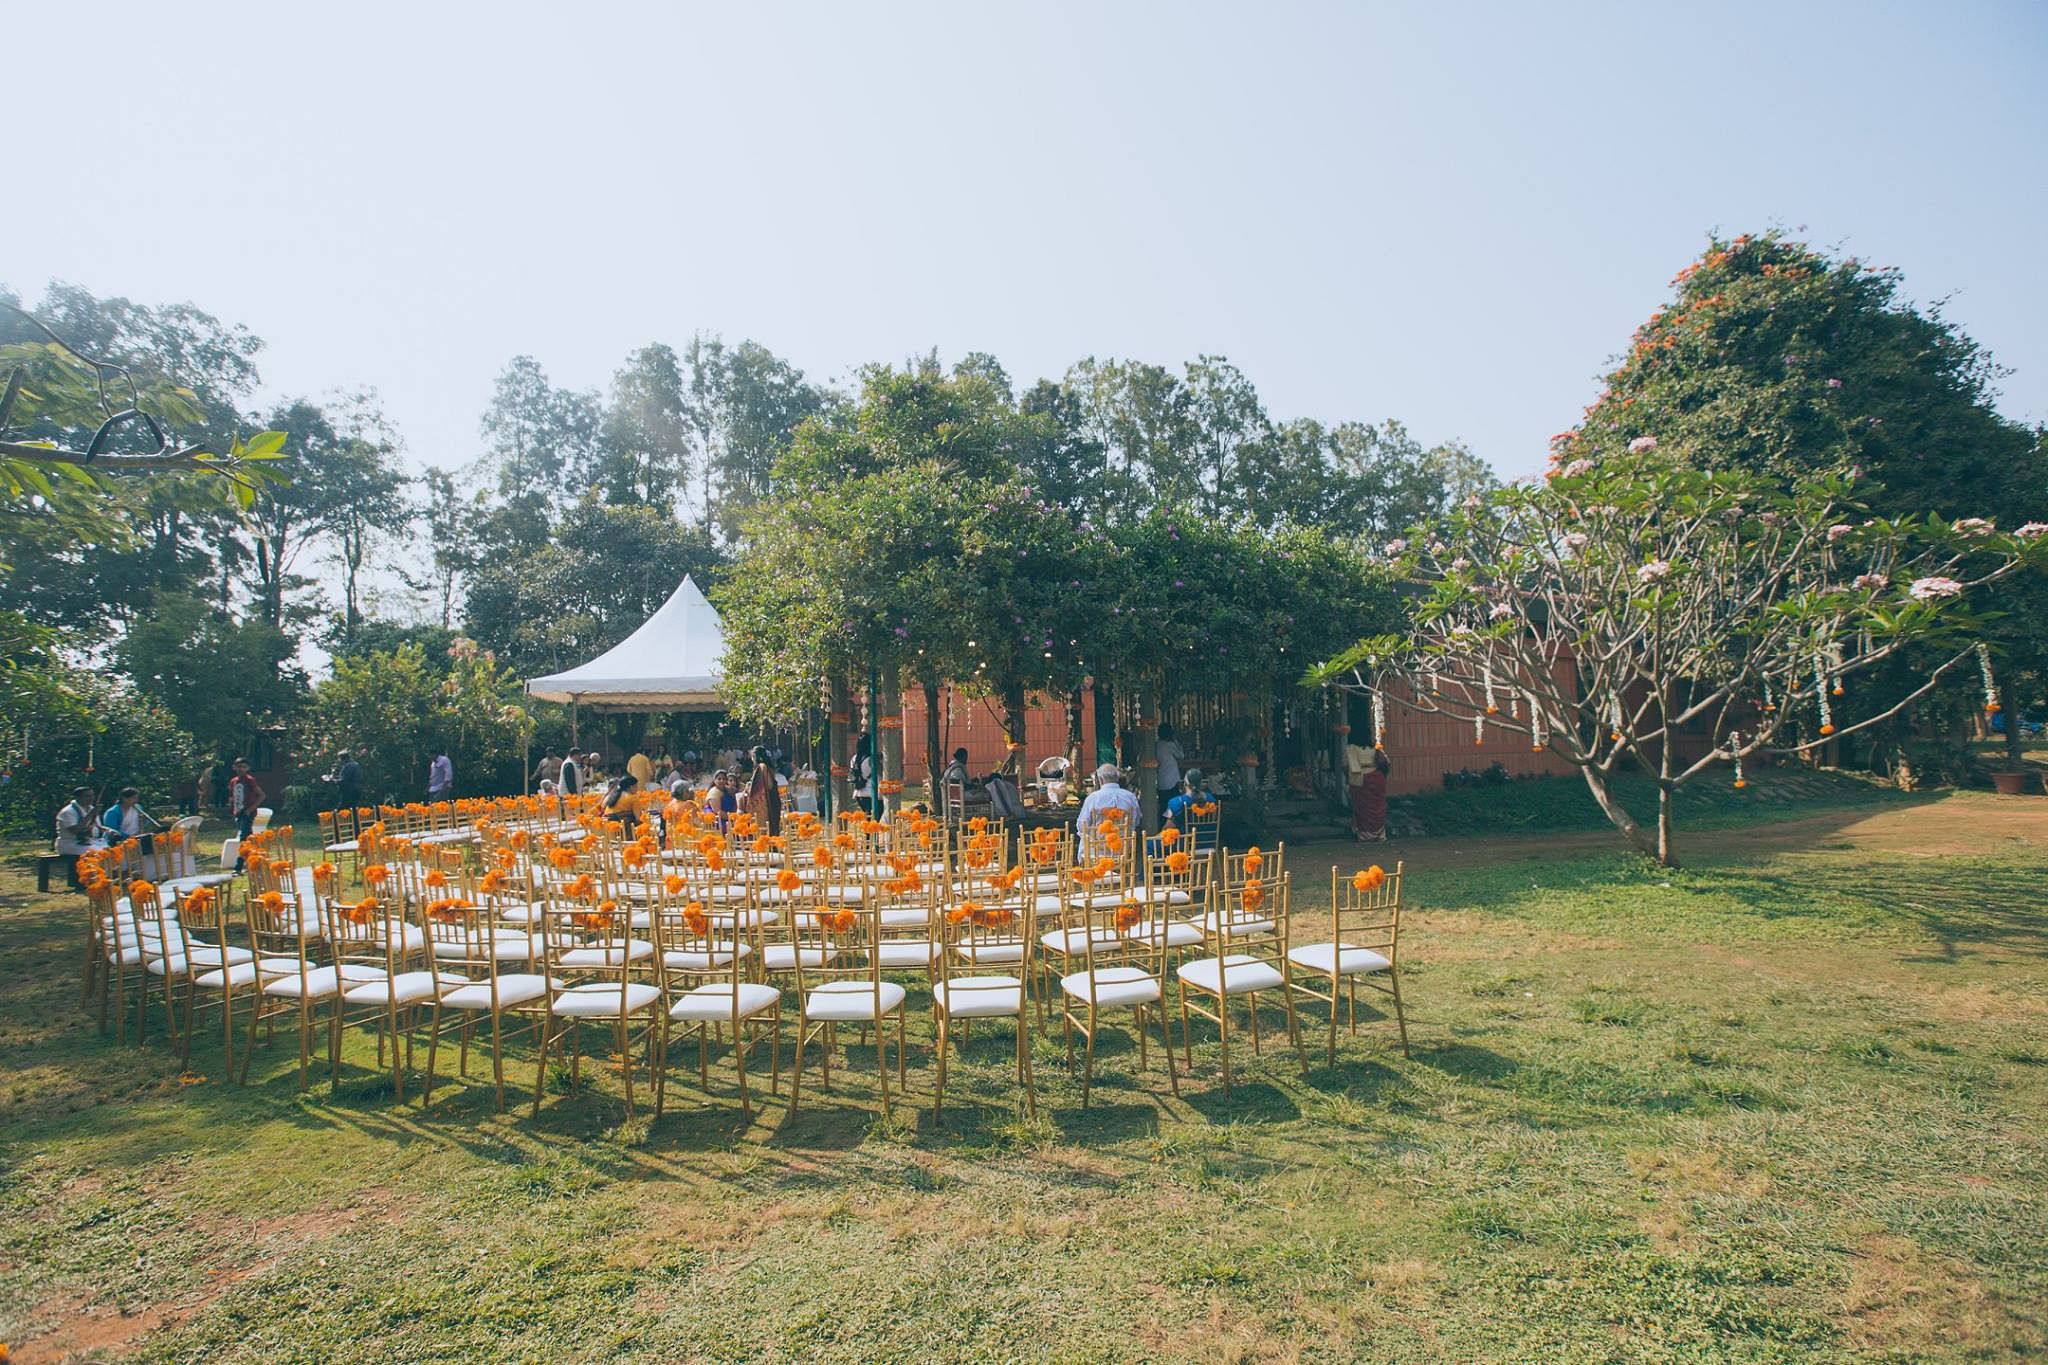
[(930, 686), (1074, 769), (1603, 796), (1146, 778), (841, 720), (1014, 716), (1666, 787), (890, 766)]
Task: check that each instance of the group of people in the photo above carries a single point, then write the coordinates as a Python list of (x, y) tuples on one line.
[(84, 825), (760, 782)]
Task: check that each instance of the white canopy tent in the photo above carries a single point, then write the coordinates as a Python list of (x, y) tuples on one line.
[(674, 662)]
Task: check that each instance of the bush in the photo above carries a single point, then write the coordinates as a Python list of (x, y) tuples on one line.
[(133, 743)]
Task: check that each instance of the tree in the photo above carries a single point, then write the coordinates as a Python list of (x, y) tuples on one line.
[(761, 401), (392, 711), (115, 738), (1635, 603), (222, 679), (1782, 360), (605, 572), (454, 527), (539, 440), (645, 454)]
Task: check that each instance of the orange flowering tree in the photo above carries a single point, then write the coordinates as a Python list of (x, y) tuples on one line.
[(1635, 610)]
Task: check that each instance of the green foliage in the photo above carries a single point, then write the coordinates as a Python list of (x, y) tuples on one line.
[(127, 739), (223, 679), (394, 711), (606, 570)]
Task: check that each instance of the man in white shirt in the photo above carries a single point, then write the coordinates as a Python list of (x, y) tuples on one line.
[(1109, 793), (1170, 756), (74, 829)]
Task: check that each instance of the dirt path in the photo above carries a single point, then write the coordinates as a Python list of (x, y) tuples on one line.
[(1958, 824)]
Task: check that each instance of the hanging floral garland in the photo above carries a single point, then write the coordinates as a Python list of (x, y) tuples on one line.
[(1491, 709), (1991, 707), (1614, 717), (1820, 692), (1735, 748), (1537, 735), (1379, 718)]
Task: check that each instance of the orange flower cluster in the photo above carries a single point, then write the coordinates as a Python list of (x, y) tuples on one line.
[(272, 901), (436, 879), (1169, 836), (363, 911), (1128, 916), (695, 920), (447, 910), (1254, 896), (1177, 862), (324, 874), (376, 874), (1369, 879), (494, 883), (788, 880), (673, 884), (821, 856), (200, 900), (584, 888), (837, 921), (1253, 861)]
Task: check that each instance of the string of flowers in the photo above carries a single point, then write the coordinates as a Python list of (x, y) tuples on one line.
[(1820, 693), (1539, 735), (1379, 718), (1735, 749), (1991, 707), (1487, 678), (1614, 717)]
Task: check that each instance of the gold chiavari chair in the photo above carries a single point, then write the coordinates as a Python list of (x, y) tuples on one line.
[(975, 935), (199, 958), (389, 961), (609, 978), (1248, 942), (467, 943), (1365, 932), (837, 967), (1122, 966), (706, 978), (1183, 887)]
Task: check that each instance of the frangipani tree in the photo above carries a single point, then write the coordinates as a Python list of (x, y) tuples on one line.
[(1641, 610)]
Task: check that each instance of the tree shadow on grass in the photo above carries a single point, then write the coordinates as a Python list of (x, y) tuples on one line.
[(1466, 1062), (1244, 1102)]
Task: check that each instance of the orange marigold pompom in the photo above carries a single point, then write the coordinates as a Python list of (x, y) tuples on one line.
[(1367, 879), (788, 880)]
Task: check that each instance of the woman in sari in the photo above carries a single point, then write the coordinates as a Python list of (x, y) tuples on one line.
[(1368, 794)]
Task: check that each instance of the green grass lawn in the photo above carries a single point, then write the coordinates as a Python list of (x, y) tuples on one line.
[(1789, 1103)]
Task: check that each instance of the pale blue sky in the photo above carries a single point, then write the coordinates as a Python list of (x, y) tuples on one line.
[(1449, 214)]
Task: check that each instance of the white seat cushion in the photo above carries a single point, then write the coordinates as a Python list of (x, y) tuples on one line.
[(1323, 957), (998, 951), (715, 954), (744, 918), (1114, 986), (318, 982), (904, 917), (844, 1000), (404, 989), (1235, 924), (505, 945), (1167, 895), (205, 957), (898, 953), (243, 973), (979, 997), (715, 1002), (612, 954), (781, 957), (345, 846), (1078, 941), (514, 988), (1233, 975), (1179, 933), (601, 1000)]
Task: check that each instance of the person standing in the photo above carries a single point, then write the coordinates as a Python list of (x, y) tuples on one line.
[(245, 795), (348, 782), (1170, 756), (440, 777), (549, 768), (569, 779), (1367, 770), (74, 829), (764, 793), (641, 767)]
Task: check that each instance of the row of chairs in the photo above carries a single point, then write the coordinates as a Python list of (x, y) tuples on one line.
[(545, 928)]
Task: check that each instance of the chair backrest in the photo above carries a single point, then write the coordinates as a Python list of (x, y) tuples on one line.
[(984, 930), (262, 821), (1365, 909), (1183, 882)]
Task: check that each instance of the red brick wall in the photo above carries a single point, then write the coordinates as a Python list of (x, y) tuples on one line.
[(1423, 747), (976, 724)]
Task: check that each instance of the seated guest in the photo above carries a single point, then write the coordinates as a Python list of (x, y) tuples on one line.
[(956, 771), (1005, 802), (621, 803), (1193, 792), (1109, 794), (128, 820)]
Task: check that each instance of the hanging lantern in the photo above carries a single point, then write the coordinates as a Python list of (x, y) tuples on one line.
[(1991, 707)]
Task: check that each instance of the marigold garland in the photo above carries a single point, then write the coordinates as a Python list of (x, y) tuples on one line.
[(1369, 879)]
